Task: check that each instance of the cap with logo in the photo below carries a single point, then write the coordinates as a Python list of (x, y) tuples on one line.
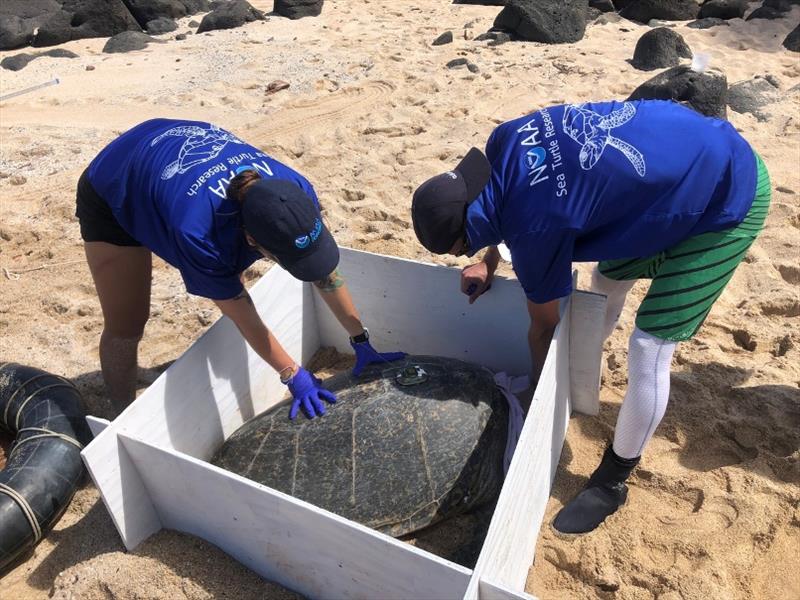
[(439, 207), (287, 223)]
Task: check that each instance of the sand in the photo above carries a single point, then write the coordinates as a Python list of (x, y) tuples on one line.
[(714, 509)]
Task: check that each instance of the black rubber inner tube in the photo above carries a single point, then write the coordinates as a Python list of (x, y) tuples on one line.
[(43, 466)]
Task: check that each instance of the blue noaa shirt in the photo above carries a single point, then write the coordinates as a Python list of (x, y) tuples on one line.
[(165, 181), (608, 180)]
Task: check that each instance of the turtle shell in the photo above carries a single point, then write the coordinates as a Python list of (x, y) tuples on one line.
[(393, 456)]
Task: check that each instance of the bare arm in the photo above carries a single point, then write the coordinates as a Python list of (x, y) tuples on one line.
[(478, 276), (544, 318), (492, 258), (242, 312), (334, 292)]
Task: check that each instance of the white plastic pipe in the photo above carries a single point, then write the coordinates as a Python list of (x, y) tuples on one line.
[(33, 88)]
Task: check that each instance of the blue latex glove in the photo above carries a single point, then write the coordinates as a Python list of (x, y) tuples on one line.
[(307, 391), (366, 355)]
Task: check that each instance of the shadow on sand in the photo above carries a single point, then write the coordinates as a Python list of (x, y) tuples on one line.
[(720, 420)]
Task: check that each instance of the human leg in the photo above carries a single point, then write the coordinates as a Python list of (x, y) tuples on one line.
[(615, 291), (121, 269), (687, 280), (691, 277), (646, 399), (122, 279)]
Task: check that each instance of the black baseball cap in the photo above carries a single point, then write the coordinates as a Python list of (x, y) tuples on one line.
[(287, 223), (439, 207)]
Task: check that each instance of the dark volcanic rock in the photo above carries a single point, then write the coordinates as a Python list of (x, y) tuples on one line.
[(753, 95), (792, 41), (706, 23), (57, 29), (128, 41), (145, 11), (489, 35), (15, 32), (484, 2), (19, 19), (602, 5), (659, 48), (592, 13), (78, 19), (161, 25), (543, 20), (608, 18), (781, 5), (443, 39), (196, 6), (499, 38), (20, 61), (227, 16), (297, 9), (58, 53), (457, 62), (29, 9), (723, 9), (495, 37), (704, 92), (668, 10), (765, 12)]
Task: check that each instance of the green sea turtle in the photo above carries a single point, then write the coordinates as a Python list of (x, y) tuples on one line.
[(593, 132), (200, 145), (395, 455)]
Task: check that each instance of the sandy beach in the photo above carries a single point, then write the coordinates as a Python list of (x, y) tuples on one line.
[(371, 112)]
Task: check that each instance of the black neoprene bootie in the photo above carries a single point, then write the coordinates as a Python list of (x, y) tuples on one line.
[(604, 493)]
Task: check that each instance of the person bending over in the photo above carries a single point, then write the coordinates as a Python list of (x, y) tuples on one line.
[(209, 204), (651, 190)]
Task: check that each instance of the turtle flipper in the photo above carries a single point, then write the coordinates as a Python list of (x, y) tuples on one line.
[(221, 134), (187, 131), (170, 170), (618, 117), (631, 153)]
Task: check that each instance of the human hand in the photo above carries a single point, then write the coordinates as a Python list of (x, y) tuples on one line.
[(366, 355), (476, 279), (308, 393)]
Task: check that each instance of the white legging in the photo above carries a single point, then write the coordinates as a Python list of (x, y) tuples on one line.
[(649, 359)]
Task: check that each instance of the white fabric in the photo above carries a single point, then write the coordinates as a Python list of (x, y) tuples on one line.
[(616, 292), (505, 253), (646, 400)]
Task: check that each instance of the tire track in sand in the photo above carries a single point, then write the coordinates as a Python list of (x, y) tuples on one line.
[(304, 114), (347, 103)]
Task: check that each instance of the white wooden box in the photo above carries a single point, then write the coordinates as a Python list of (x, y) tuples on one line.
[(149, 464)]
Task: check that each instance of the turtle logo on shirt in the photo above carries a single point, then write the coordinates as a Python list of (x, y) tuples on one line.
[(200, 145), (593, 132)]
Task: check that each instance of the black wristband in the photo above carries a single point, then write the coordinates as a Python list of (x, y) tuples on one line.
[(361, 338)]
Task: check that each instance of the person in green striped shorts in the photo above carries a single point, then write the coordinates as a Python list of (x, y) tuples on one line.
[(650, 190), (689, 277)]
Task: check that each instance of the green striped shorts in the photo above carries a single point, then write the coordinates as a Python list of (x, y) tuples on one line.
[(688, 278)]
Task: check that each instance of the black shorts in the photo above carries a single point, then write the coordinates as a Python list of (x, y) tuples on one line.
[(98, 223)]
